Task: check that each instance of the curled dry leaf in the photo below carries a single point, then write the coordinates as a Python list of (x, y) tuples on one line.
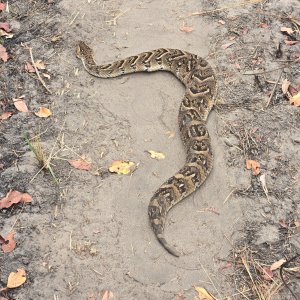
[(29, 68), (2, 6), (285, 86), (276, 265), (3, 53), (10, 243), (254, 165), (43, 112), (186, 29), (225, 46), (203, 294), (106, 295), (121, 167), (14, 197), (16, 279), (287, 30), (156, 155), (20, 105), (6, 115), (5, 26), (80, 164), (40, 64)]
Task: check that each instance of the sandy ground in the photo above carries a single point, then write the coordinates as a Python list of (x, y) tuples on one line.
[(90, 232)]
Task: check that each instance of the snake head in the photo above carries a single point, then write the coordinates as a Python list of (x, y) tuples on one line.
[(83, 50)]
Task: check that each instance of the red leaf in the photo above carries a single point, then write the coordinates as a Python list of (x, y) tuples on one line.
[(29, 68), (10, 243), (2, 6), (5, 26), (263, 25), (80, 164), (20, 105), (6, 115), (186, 29), (3, 53), (14, 197), (266, 273)]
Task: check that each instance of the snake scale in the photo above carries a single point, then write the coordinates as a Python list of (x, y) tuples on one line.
[(199, 80)]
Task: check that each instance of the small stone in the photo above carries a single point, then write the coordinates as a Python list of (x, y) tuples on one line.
[(267, 209)]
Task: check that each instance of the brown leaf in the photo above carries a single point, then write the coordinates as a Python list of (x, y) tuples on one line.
[(80, 164), (186, 29), (16, 279), (277, 264), (29, 68), (2, 6), (225, 46), (14, 197), (288, 42), (287, 30), (285, 86), (254, 165), (6, 115), (295, 100), (20, 104), (3, 53), (43, 112), (5, 26), (10, 243)]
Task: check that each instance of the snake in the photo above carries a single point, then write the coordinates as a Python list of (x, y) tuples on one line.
[(200, 87)]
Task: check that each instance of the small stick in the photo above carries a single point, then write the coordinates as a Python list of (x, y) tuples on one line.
[(274, 88), (37, 71), (226, 199)]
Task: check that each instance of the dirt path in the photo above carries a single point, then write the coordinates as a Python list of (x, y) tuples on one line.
[(90, 233)]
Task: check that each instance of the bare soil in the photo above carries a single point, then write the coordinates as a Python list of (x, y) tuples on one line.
[(89, 232)]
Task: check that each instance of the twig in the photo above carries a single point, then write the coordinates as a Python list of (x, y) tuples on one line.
[(37, 71), (226, 199), (274, 88), (210, 279)]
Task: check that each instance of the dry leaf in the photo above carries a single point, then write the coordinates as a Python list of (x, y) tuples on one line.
[(40, 64), (106, 295), (276, 265), (225, 46), (43, 112), (156, 155), (221, 22), (6, 115), (295, 100), (254, 165), (186, 29), (288, 42), (20, 104), (16, 279), (263, 25), (14, 197), (5, 26), (29, 68), (121, 167), (266, 273), (80, 164), (297, 223), (287, 30), (285, 86), (204, 294), (3, 53), (10, 243), (2, 6)]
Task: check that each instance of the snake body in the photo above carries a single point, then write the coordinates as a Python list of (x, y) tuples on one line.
[(199, 80)]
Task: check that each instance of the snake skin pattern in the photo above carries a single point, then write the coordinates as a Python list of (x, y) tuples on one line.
[(199, 80)]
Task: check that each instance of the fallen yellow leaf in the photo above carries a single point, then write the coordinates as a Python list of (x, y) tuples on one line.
[(43, 112), (156, 155), (16, 279), (254, 165), (295, 100), (121, 167), (204, 294)]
